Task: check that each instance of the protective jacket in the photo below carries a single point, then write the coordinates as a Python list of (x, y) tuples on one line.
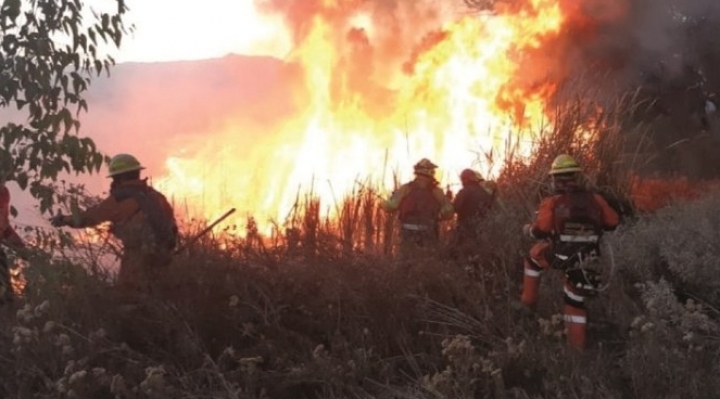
[(420, 203), (471, 203), (141, 217), (574, 221), (143, 220), (569, 224)]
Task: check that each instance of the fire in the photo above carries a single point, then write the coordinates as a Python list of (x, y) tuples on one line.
[(460, 97)]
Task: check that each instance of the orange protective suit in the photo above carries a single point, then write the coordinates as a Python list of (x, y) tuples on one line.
[(566, 223), (148, 235)]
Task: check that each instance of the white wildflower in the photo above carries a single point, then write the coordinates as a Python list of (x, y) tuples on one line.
[(154, 380), (48, 327), (98, 372), (25, 314), (61, 385), (96, 335), (77, 376), (229, 351), (319, 352), (117, 385), (249, 364), (23, 331), (69, 367), (42, 308)]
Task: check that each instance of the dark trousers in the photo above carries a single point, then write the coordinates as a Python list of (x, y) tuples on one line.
[(417, 243), (6, 290)]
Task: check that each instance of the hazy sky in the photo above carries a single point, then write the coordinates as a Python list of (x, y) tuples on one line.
[(168, 30)]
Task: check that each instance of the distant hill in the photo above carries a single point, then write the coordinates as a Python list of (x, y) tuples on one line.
[(205, 88), (154, 101), (141, 107)]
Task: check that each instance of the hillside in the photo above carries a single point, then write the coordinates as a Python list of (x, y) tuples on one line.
[(319, 321)]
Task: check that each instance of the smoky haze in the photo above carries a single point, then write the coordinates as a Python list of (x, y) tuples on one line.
[(157, 110), (631, 39)]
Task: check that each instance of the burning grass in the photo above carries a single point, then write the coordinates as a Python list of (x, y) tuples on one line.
[(321, 309)]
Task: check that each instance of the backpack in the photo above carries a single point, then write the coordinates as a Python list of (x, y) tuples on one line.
[(577, 226), (476, 204), (419, 206), (157, 211)]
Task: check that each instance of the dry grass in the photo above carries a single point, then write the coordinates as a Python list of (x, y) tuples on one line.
[(325, 310)]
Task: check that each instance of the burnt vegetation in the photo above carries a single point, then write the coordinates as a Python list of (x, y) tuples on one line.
[(322, 308)]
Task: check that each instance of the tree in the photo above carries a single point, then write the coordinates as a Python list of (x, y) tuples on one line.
[(49, 52)]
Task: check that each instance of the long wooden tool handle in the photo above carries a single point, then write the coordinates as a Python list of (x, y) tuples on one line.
[(205, 230)]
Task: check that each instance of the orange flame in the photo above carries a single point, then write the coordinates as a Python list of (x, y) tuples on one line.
[(460, 94)]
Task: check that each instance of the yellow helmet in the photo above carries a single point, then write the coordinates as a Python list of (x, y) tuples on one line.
[(425, 167), (123, 163), (564, 163)]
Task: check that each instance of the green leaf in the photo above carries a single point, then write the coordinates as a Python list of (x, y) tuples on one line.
[(41, 77), (67, 118)]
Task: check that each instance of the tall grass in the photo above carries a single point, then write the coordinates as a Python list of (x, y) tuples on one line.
[(322, 308)]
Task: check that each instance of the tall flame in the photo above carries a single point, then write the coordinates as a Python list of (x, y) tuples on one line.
[(458, 94)]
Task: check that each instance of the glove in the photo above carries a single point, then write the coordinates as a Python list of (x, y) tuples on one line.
[(58, 221)]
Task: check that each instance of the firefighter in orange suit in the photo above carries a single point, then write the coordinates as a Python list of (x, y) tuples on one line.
[(569, 225), (9, 237), (142, 219), (421, 205)]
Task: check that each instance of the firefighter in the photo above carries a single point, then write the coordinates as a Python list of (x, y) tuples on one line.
[(9, 237), (141, 218), (471, 204), (421, 205), (568, 225)]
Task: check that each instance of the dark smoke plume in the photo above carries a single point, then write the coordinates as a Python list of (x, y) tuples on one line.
[(640, 42)]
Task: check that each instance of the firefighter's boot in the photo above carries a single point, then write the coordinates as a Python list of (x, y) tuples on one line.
[(531, 283), (575, 316)]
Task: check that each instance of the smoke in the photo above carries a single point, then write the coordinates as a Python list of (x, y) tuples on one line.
[(633, 42), (665, 29)]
